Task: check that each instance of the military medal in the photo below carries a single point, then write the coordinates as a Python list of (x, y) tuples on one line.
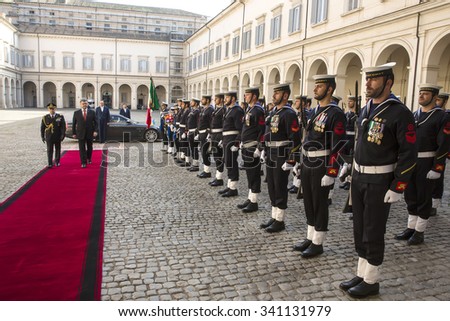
[(274, 124), (247, 119)]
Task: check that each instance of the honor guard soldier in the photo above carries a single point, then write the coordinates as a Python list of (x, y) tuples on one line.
[(325, 133), (204, 124), (433, 141), (384, 160), (438, 189), (232, 126), (347, 154), (53, 131), (176, 129), (183, 134), (216, 146), (294, 189), (282, 139), (163, 126), (192, 124), (169, 121), (250, 137)]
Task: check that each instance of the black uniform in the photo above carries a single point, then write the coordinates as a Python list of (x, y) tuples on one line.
[(216, 136), (438, 189), (53, 131), (252, 132), (192, 122), (350, 135), (386, 137), (176, 136), (204, 123), (433, 141), (232, 126), (184, 144), (325, 137), (282, 139), (163, 128)]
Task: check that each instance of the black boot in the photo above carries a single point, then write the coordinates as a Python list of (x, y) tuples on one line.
[(243, 205), (312, 251), (364, 289), (405, 235), (230, 193), (251, 207), (276, 226), (223, 191), (267, 224), (194, 169), (293, 190), (302, 245), (416, 239), (216, 182), (351, 283), (204, 175)]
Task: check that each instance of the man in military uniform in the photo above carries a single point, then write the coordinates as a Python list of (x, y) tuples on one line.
[(216, 139), (192, 124), (163, 126), (184, 144), (347, 154), (384, 160), (438, 189), (204, 123), (232, 126), (176, 130), (282, 139), (250, 137), (433, 141), (325, 133), (53, 131)]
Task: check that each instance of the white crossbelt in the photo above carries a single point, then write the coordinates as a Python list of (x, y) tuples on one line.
[(182, 126), (249, 144), (216, 130), (277, 143), (316, 153), (202, 131), (192, 130), (383, 169), (230, 132), (350, 133), (426, 154)]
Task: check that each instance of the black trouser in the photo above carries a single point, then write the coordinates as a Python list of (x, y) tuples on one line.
[(85, 147), (184, 145), (57, 146), (165, 136), (277, 179), (217, 153), (438, 189), (205, 150), (370, 215), (252, 167), (176, 141), (315, 196), (193, 146), (102, 131), (419, 190), (230, 158)]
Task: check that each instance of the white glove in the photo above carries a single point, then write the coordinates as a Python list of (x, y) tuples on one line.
[(327, 180), (196, 137), (392, 197), (286, 166), (433, 175), (208, 137), (219, 144), (234, 148), (343, 172), (296, 169), (256, 153), (183, 136), (172, 128), (262, 158)]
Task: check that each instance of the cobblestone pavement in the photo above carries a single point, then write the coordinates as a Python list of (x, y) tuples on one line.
[(169, 236)]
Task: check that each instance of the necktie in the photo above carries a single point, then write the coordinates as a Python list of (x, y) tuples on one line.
[(84, 114)]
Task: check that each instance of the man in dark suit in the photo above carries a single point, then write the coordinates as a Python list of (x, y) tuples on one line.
[(124, 111), (84, 129), (103, 117), (53, 131)]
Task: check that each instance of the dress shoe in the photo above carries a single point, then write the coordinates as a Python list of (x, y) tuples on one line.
[(276, 226), (433, 211), (49, 166), (364, 289), (89, 161), (267, 224), (405, 235), (242, 205), (204, 175), (230, 193), (194, 169), (57, 164), (83, 165), (183, 164), (251, 207), (347, 187), (312, 250), (351, 283), (416, 239), (302, 245), (223, 191), (293, 190), (216, 182), (344, 185)]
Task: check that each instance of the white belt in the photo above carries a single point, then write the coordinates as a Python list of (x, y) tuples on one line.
[(249, 144), (316, 153), (202, 131), (383, 169), (216, 130), (426, 154), (230, 132), (176, 123), (350, 133), (277, 143), (192, 130), (182, 126)]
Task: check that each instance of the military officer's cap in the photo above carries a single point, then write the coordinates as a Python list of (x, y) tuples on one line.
[(231, 94), (252, 90), (337, 98), (351, 97), (443, 95), (186, 101), (174, 107), (207, 97), (379, 71), (164, 103), (51, 106), (180, 99), (196, 100), (328, 79), (298, 97), (219, 95), (282, 87), (430, 87)]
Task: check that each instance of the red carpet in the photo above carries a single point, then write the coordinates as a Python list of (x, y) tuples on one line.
[(51, 233)]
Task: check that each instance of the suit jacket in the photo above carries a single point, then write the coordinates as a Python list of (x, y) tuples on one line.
[(125, 113), (53, 128), (102, 117), (84, 129)]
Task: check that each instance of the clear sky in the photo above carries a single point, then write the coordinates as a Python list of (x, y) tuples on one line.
[(208, 8)]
